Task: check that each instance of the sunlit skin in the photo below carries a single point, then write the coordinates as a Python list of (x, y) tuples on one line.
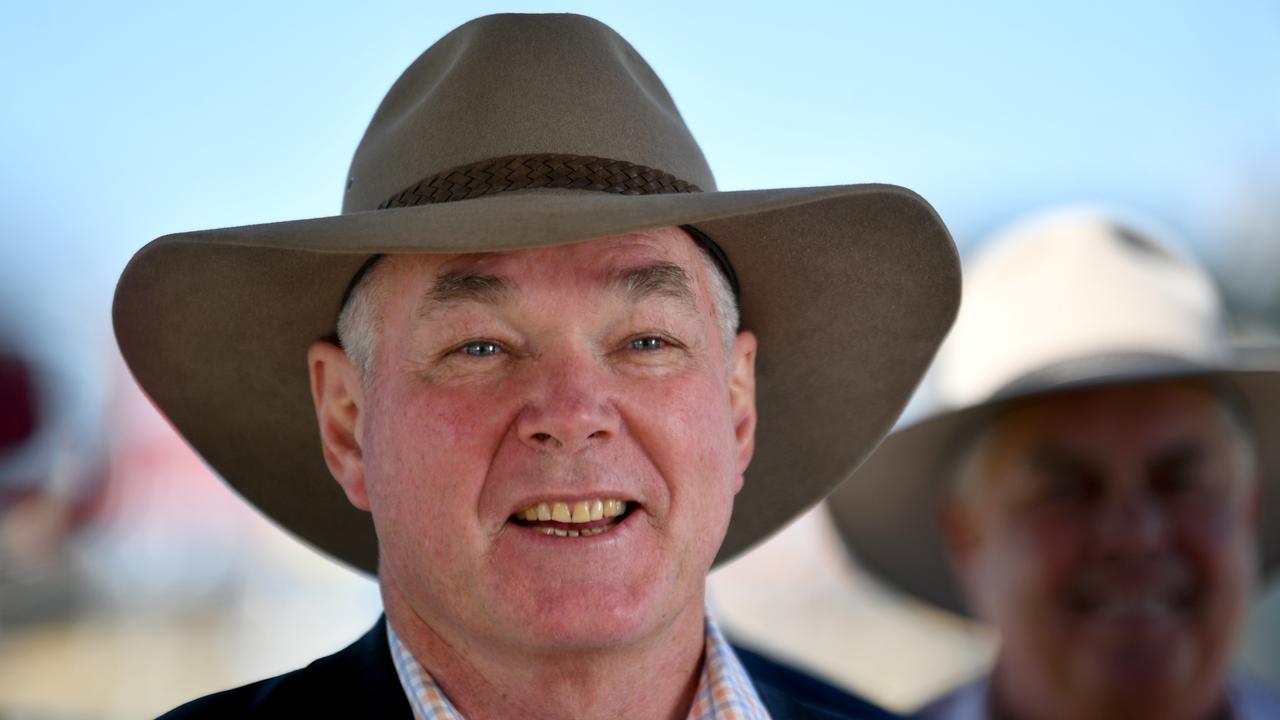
[(560, 384), (1110, 534)]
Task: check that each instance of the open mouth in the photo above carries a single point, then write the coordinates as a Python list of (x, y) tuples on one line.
[(579, 518), (1132, 606)]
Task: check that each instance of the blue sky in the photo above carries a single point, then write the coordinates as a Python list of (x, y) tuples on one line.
[(124, 121)]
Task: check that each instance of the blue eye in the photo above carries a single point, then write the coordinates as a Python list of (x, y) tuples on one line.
[(481, 348), (648, 343)]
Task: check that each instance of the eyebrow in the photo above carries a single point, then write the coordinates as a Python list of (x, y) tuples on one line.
[(659, 279), (1058, 460), (1188, 451), (454, 287)]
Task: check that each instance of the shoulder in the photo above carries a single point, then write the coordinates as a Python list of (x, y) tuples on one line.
[(356, 681), (1251, 700), (967, 702), (790, 693)]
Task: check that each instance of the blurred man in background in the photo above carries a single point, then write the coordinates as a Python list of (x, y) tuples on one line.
[(1098, 480)]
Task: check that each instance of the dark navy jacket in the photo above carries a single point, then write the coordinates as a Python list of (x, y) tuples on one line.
[(360, 681)]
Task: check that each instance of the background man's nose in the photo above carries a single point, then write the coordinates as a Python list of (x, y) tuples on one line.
[(568, 412), (1131, 523)]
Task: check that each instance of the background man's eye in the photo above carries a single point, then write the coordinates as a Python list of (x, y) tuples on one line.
[(1070, 486), (481, 348), (1173, 480), (648, 343), (1066, 488)]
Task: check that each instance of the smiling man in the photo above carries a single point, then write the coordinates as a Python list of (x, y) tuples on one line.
[(1097, 485), (588, 460), (538, 353)]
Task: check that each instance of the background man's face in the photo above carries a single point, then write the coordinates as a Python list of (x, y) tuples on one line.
[(573, 374), (1109, 534)]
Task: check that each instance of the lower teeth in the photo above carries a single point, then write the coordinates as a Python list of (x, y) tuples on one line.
[(572, 533)]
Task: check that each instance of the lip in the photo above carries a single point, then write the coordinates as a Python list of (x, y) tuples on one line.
[(1148, 608)]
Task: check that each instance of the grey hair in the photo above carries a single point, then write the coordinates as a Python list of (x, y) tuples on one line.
[(359, 321), (1232, 401), (723, 302), (969, 454)]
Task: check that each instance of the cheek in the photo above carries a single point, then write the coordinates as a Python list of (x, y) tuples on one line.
[(1055, 537), (683, 428), (427, 458), (1041, 553), (439, 429), (1221, 545), (689, 426)]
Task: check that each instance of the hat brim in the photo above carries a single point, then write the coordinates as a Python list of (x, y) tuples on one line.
[(850, 289), (888, 514)]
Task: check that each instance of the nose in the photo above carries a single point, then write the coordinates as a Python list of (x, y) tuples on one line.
[(1131, 525), (568, 410)]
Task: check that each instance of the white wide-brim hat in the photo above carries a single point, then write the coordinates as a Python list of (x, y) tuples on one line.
[(1064, 301)]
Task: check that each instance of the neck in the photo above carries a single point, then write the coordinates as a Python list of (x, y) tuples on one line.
[(654, 678)]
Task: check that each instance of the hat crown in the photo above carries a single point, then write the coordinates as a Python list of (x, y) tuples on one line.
[(1072, 286), (505, 85)]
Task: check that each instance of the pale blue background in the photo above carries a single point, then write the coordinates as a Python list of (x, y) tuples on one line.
[(122, 121)]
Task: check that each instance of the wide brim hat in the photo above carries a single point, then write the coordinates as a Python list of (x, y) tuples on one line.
[(516, 132), (1064, 301)]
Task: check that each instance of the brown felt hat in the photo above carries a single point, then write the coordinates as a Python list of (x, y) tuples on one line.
[(519, 131), (1066, 300)]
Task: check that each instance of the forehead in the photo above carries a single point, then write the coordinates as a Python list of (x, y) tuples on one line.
[(1138, 409), (1112, 422), (590, 260)]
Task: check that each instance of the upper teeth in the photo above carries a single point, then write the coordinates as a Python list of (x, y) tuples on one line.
[(1128, 607), (581, 511)]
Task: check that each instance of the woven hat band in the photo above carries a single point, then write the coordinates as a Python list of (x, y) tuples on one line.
[(528, 172)]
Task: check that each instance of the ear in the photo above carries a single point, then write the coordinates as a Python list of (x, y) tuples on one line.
[(742, 399), (337, 391), (962, 538)]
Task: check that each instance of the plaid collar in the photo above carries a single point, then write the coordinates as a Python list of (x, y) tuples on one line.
[(725, 691)]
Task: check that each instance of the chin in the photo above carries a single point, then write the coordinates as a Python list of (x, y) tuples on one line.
[(1132, 703), (1147, 680), (589, 618)]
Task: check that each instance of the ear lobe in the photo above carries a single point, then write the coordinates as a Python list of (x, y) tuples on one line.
[(337, 392), (742, 398), (957, 530), (962, 538)]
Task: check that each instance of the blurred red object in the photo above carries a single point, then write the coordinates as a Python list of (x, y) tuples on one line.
[(17, 402)]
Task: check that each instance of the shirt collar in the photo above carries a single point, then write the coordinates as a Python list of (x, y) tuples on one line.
[(725, 691), (1245, 701)]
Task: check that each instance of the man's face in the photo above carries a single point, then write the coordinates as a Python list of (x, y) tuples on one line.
[(576, 382), (1109, 535)]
